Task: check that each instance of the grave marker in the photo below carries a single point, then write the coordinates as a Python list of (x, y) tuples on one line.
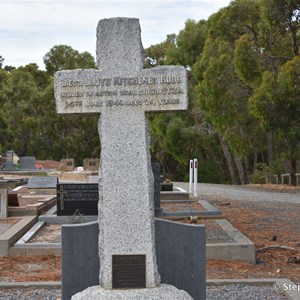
[(123, 92), (67, 164), (72, 197), (42, 182), (27, 163), (91, 164)]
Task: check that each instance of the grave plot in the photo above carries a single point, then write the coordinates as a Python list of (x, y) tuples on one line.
[(223, 241), (26, 201)]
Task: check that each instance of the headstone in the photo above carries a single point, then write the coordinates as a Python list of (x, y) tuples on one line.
[(81, 198), (9, 166), (182, 266), (158, 211), (42, 182), (123, 92), (3, 203), (27, 163), (91, 164), (13, 199), (166, 186), (67, 164)]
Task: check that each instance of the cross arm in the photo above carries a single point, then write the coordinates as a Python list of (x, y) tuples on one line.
[(162, 88)]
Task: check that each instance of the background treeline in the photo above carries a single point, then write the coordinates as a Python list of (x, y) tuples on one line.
[(243, 119)]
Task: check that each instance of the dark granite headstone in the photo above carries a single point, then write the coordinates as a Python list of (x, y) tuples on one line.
[(79, 198), (42, 182), (156, 173), (180, 251), (12, 197), (27, 163), (9, 166)]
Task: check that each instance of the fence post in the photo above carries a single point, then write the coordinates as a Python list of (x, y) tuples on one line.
[(195, 176)]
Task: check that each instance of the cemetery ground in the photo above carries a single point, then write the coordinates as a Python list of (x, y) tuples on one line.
[(265, 223)]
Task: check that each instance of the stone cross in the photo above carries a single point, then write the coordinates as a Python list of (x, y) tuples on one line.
[(61, 193), (122, 92)]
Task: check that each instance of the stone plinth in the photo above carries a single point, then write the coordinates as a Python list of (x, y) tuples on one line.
[(162, 292)]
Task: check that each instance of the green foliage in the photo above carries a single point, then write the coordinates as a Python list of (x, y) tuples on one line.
[(156, 54), (64, 57), (29, 122), (243, 71), (247, 61)]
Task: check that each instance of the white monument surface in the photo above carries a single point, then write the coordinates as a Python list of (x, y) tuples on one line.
[(122, 92)]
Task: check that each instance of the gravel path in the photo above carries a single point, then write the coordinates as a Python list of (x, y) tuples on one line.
[(241, 193), (243, 292), (224, 292), (30, 294)]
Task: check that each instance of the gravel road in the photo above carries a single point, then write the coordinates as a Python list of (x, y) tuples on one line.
[(242, 192)]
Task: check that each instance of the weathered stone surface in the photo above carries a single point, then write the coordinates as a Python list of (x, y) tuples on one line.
[(122, 92), (88, 91), (27, 163), (91, 164), (162, 292), (42, 182)]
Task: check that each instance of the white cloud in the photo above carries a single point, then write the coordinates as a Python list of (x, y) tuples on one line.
[(29, 29)]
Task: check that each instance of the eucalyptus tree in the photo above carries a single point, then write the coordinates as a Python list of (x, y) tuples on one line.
[(177, 137), (267, 59), (222, 95), (62, 57)]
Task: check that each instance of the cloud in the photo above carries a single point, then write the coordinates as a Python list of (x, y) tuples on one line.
[(29, 29)]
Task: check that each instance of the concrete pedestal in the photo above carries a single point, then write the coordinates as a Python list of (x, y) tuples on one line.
[(162, 292)]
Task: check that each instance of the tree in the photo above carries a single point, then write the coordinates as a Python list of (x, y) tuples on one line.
[(64, 57), (177, 137), (266, 59), (221, 93)]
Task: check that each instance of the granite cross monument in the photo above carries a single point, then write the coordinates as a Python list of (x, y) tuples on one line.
[(122, 92)]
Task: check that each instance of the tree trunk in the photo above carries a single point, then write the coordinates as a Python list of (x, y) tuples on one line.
[(228, 160), (293, 166), (270, 148), (254, 160), (241, 170)]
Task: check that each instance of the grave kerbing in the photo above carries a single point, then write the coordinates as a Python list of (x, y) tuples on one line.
[(122, 92)]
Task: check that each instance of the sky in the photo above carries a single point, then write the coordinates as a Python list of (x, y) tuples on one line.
[(30, 28)]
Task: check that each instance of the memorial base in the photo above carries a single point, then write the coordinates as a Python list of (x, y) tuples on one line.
[(162, 292)]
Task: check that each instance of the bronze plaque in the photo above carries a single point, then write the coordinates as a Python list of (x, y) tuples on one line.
[(128, 271)]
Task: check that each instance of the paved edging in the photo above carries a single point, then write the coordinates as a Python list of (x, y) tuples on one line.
[(39, 284), (14, 233), (242, 249)]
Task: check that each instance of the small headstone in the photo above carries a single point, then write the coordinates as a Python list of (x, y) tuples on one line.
[(167, 186), (27, 163), (76, 197), (13, 199), (9, 166), (67, 164), (91, 164), (42, 182), (3, 203)]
